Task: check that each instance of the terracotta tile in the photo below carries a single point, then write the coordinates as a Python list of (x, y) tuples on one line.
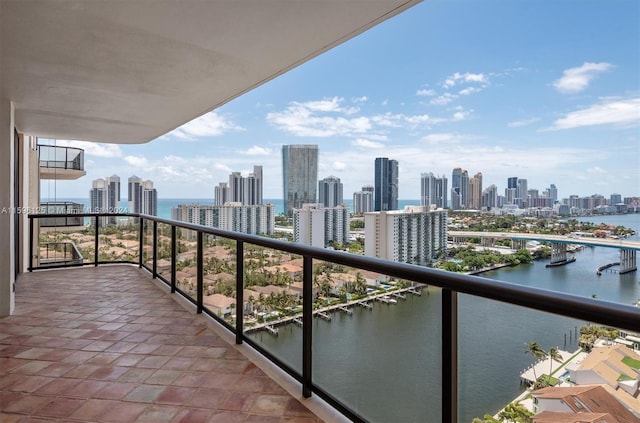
[(32, 367), (182, 363), (28, 404), (104, 358), (163, 377), (157, 414), (7, 364), (83, 371), (144, 348), (122, 413), (175, 395), (229, 417), (300, 419), (221, 381), (33, 353), (92, 409), (121, 347), (7, 398), (273, 405), (30, 383), (58, 386), (108, 372), (153, 361), (60, 407), (86, 389), (189, 379), (238, 401), (136, 375), (98, 346), (145, 393), (115, 390), (253, 418), (7, 380), (192, 416), (206, 398), (296, 408), (127, 360), (78, 357)]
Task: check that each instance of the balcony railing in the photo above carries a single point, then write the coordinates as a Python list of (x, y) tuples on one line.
[(178, 253), (55, 157), (59, 208), (56, 254)]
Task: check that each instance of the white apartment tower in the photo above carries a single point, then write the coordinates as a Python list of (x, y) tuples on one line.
[(416, 235), (363, 201), (142, 196), (104, 197), (244, 190), (254, 219), (433, 190), (316, 225)]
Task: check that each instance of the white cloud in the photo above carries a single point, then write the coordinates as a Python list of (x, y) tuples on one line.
[(610, 111), (361, 142), (311, 119), (426, 93), (443, 99), (574, 80), (524, 122), (445, 137), (469, 90), (339, 165), (137, 161), (256, 150), (208, 125), (362, 99), (596, 170), (461, 115), (458, 78)]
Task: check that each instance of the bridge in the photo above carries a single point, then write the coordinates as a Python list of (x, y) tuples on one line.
[(628, 249)]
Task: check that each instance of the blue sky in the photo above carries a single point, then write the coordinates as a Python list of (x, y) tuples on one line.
[(547, 90)]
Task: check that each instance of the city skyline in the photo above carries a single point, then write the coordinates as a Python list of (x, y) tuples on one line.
[(555, 106)]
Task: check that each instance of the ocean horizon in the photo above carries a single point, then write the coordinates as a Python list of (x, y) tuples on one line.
[(166, 204)]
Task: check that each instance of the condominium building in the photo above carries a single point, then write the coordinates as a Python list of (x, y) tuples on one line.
[(104, 197), (299, 176), (142, 196), (459, 189), (314, 224), (386, 184), (475, 192), (363, 200), (490, 198), (250, 219), (240, 189), (433, 190), (330, 192), (417, 234)]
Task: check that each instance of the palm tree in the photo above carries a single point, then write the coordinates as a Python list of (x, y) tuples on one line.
[(536, 351), (554, 355)]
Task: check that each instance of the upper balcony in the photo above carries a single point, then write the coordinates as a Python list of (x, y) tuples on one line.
[(61, 162)]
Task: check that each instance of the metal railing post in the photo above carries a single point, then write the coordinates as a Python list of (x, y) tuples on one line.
[(174, 254), (31, 244), (141, 242), (239, 291), (96, 242), (154, 271), (200, 284), (307, 323), (449, 356)]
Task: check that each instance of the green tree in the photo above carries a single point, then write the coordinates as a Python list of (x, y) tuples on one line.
[(516, 412), (554, 355), (535, 351)]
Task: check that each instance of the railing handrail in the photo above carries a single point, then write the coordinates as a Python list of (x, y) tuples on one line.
[(75, 162), (569, 305)]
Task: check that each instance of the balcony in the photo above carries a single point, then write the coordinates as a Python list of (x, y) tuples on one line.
[(64, 163), (196, 264), (61, 223), (59, 254)]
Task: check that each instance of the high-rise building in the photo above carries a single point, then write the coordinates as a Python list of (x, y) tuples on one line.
[(615, 199), (433, 190), (104, 197), (330, 192), (459, 189), (244, 190), (475, 192), (142, 196), (490, 197), (363, 200), (553, 192), (522, 190), (316, 225), (250, 219), (221, 194), (386, 184), (417, 234), (299, 176)]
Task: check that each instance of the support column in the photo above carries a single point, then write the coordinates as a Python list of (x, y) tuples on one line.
[(628, 261), (558, 253), (7, 208)]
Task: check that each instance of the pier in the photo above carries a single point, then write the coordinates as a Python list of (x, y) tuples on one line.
[(324, 312), (608, 266)]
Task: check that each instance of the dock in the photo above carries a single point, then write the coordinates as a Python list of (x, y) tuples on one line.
[(346, 310), (601, 269), (323, 315)]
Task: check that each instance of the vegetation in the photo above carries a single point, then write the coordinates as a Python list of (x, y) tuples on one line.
[(465, 259), (591, 333), (513, 412)]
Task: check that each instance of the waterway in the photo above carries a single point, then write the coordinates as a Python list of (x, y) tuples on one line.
[(385, 363)]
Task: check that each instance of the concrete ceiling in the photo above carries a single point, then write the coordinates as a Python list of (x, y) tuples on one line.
[(129, 71)]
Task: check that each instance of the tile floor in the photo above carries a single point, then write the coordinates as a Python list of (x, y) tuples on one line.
[(107, 345)]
